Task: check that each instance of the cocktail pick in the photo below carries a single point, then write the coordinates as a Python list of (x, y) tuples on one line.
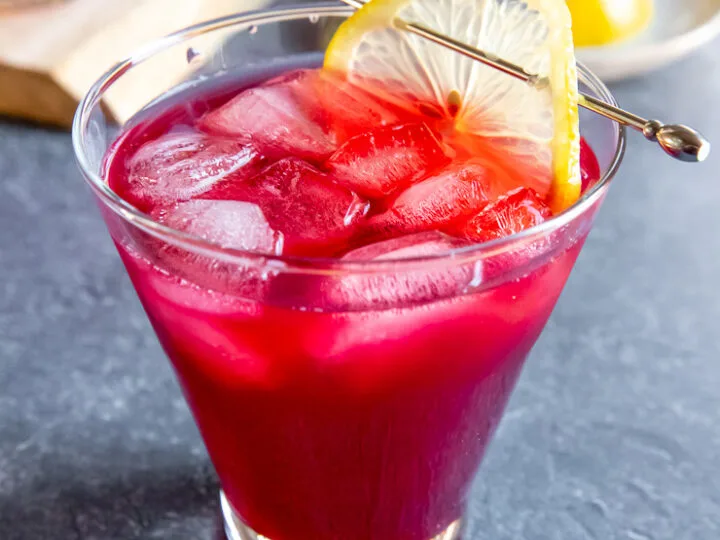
[(679, 141)]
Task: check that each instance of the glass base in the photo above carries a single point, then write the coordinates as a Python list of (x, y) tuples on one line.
[(235, 529)]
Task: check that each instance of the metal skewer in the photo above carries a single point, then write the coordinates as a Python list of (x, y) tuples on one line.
[(678, 141)]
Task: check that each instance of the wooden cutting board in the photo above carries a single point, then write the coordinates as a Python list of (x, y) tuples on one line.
[(50, 56)]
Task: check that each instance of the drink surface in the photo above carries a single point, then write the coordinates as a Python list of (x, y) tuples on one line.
[(347, 406), (315, 166)]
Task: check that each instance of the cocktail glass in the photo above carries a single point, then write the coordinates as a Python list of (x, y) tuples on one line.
[(337, 399)]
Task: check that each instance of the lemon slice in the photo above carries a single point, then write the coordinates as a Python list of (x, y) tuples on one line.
[(535, 130)]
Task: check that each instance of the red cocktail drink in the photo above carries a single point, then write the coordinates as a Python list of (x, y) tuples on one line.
[(346, 288), (336, 406)]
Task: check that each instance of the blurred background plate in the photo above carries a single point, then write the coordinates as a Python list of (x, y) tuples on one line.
[(678, 28)]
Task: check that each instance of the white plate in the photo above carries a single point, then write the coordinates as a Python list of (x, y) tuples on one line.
[(678, 28)]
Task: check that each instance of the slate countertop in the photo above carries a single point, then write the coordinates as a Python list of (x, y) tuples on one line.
[(612, 434)]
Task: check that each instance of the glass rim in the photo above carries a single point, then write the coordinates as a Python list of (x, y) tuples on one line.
[(193, 243)]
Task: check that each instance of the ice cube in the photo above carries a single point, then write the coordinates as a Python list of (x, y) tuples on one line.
[(179, 166), (406, 247), (340, 107), (304, 113), (518, 210), (402, 285), (387, 159), (229, 224), (277, 118), (395, 285), (454, 194), (350, 109), (315, 215)]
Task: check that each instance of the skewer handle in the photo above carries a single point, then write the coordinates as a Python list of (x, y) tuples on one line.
[(678, 141)]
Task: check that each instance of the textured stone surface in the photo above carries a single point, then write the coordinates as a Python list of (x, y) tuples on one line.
[(612, 434)]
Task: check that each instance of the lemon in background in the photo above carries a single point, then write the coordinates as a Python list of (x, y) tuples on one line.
[(600, 22)]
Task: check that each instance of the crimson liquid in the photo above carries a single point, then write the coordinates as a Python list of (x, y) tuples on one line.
[(349, 404)]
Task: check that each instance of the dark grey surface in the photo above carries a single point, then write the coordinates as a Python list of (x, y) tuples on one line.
[(613, 432)]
